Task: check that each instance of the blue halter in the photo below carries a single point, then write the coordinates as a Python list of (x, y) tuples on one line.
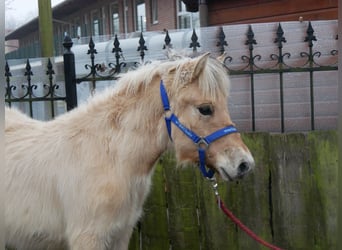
[(201, 142)]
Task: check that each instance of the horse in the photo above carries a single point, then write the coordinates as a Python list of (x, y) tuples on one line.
[(79, 181)]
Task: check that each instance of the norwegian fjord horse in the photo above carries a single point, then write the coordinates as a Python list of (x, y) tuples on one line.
[(79, 181)]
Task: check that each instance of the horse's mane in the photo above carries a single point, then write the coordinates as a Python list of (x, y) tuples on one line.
[(213, 78), (124, 99)]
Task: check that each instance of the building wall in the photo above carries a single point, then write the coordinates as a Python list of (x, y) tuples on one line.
[(167, 16), (167, 12), (256, 11)]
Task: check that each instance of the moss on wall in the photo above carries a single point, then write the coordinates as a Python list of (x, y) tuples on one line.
[(290, 199)]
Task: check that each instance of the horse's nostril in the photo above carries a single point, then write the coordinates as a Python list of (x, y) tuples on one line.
[(243, 168)]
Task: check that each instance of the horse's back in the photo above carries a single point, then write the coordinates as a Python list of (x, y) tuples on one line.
[(21, 131), (14, 119)]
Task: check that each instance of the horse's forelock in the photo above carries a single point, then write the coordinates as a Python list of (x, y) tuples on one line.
[(212, 80)]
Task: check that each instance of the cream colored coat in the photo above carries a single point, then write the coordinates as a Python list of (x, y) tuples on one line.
[(80, 180)]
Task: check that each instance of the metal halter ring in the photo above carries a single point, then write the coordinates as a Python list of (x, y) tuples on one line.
[(202, 143)]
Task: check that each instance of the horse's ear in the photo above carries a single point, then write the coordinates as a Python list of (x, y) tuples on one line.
[(200, 63), (172, 70), (222, 57), (172, 55)]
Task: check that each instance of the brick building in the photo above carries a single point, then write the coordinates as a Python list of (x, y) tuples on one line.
[(84, 18), (256, 11)]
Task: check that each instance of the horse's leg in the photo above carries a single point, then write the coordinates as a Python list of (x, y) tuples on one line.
[(86, 241), (121, 240), (92, 242)]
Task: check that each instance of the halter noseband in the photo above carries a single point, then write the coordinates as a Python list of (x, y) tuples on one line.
[(201, 142)]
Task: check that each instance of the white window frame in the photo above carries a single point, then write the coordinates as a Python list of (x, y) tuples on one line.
[(138, 19), (113, 7), (95, 16)]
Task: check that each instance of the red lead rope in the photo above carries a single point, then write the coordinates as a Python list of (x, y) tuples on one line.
[(244, 228)]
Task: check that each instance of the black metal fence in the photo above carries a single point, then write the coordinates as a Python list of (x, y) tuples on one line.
[(278, 64), (25, 91)]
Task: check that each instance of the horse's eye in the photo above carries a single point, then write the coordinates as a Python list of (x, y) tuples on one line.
[(206, 109)]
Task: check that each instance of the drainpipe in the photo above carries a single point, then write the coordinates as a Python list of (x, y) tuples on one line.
[(203, 13)]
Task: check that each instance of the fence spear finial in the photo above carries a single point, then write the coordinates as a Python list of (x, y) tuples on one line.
[(310, 35), (222, 42), (280, 39)]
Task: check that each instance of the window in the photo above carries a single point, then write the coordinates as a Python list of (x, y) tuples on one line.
[(187, 19), (140, 17), (154, 11), (86, 27), (115, 21), (66, 31), (96, 25), (184, 21), (77, 29), (116, 24), (181, 6)]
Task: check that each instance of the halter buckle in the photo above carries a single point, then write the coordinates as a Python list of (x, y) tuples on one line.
[(167, 114)]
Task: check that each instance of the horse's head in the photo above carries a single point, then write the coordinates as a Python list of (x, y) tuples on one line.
[(198, 93)]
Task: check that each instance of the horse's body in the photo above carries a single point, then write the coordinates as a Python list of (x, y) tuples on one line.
[(80, 181)]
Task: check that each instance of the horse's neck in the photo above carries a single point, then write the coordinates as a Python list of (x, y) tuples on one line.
[(134, 126)]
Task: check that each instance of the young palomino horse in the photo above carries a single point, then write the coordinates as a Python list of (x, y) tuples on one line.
[(80, 180)]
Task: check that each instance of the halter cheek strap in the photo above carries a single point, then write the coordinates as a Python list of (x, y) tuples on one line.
[(201, 142)]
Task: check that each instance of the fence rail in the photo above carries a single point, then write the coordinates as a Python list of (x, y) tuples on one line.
[(250, 63)]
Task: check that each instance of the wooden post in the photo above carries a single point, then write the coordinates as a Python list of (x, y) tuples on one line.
[(45, 28)]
